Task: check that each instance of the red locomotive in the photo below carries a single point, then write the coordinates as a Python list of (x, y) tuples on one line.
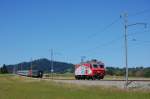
[(90, 70)]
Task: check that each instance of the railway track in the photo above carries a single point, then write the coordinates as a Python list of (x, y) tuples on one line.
[(101, 80), (140, 84), (118, 83)]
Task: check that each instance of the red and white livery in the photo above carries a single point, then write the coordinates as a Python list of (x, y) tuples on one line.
[(90, 70)]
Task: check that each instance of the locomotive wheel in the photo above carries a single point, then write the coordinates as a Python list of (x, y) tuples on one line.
[(76, 77), (99, 78), (102, 77), (79, 77), (83, 77), (88, 78), (93, 78)]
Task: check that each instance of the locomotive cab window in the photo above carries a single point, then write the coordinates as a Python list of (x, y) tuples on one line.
[(101, 66), (95, 66)]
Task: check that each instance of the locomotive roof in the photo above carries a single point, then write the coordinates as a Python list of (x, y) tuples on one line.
[(94, 62)]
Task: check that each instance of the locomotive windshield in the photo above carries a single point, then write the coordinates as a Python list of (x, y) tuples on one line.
[(95, 66), (98, 66), (101, 66)]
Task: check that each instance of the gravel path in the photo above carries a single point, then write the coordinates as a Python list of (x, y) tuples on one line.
[(118, 84)]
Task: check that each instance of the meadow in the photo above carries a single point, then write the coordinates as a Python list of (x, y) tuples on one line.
[(15, 87)]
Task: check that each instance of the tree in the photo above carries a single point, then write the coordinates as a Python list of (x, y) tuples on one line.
[(147, 72), (110, 71), (4, 69)]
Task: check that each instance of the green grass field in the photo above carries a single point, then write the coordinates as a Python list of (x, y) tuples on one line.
[(13, 87)]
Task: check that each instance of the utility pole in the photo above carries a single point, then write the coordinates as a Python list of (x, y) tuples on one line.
[(52, 68), (14, 69), (31, 68), (126, 49), (82, 59), (126, 44), (21, 67)]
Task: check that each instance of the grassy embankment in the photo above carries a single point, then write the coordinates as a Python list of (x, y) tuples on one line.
[(28, 88)]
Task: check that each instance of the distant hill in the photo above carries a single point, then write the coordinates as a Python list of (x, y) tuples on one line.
[(42, 64)]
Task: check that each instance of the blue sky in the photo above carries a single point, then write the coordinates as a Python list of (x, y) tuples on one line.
[(74, 28)]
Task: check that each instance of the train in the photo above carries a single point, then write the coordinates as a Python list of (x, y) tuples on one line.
[(31, 73), (90, 70)]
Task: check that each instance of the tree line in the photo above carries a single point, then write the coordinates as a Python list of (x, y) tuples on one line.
[(133, 72)]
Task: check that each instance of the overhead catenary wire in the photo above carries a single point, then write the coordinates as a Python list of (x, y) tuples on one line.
[(135, 33), (115, 21), (141, 41), (105, 28), (105, 44), (102, 31), (140, 12), (113, 41)]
